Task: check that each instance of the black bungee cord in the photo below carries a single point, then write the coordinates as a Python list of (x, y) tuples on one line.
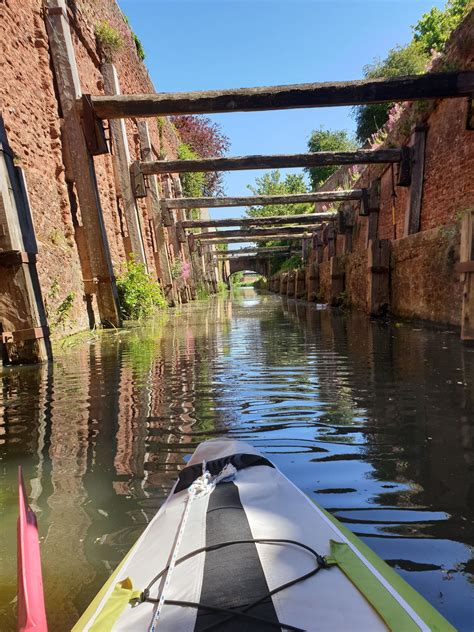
[(242, 613)]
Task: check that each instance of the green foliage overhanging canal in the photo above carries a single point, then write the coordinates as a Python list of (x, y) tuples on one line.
[(139, 294)]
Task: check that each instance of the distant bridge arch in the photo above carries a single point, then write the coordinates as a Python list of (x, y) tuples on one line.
[(255, 264), (231, 265)]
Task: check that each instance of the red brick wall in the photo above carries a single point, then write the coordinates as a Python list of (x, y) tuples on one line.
[(29, 107), (424, 283)]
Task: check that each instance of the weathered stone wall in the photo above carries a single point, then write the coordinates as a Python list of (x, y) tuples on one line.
[(30, 108)]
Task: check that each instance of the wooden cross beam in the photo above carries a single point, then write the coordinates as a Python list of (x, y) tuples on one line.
[(249, 256), (276, 161), (306, 95), (277, 220), (236, 240), (248, 233), (253, 250), (262, 200)]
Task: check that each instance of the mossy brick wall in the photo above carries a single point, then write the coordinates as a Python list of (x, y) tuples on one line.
[(31, 113)]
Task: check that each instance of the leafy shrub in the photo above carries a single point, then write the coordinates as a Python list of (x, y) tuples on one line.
[(236, 279), (139, 294), (293, 263), (109, 40), (201, 291)]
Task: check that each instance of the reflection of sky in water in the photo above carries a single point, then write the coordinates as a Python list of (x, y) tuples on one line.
[(374, 423)]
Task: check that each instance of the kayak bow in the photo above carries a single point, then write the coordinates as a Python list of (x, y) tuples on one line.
[(236, 546)]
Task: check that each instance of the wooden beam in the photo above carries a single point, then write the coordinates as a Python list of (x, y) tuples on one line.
[(374, 209), (250, 232), (162, 262), (122, 161), (237, 163), (22, 307), (277, 220), (96, 247), (262, 200), (237, 240), (467, 276), (413, 212), (249, 256), (245, 252), (306, 95), (378, 286)]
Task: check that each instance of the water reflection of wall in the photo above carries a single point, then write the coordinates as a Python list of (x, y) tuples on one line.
[(66, 568), (415, 387)]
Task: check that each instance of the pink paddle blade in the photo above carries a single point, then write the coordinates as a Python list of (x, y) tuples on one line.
[(31, 611)]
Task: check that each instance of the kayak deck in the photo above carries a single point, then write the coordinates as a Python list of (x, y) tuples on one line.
[(255, 534)]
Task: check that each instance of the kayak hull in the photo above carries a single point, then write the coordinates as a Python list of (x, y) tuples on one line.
[(357, 591)]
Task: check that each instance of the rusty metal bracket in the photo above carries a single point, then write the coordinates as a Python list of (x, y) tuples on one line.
[(22, 335), (93, 128)]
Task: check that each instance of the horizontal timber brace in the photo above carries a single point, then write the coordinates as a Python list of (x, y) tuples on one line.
[(250, 256), (277, 220), (236, 240), (262, 200), (277, 161), (250, 232), (245, 251), (306, 95)]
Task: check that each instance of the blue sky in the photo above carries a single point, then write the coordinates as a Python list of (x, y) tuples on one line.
[(210, 44)]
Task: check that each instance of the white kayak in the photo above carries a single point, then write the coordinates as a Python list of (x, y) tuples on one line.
[(236, 546)]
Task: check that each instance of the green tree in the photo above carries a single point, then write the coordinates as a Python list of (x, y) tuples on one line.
[(407, 60), (429, 34), (434, 28), (327, 140), (272, 183)]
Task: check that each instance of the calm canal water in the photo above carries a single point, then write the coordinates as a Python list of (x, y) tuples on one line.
[(374, 421)]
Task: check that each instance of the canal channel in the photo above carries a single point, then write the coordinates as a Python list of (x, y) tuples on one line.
[(372, 419)]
